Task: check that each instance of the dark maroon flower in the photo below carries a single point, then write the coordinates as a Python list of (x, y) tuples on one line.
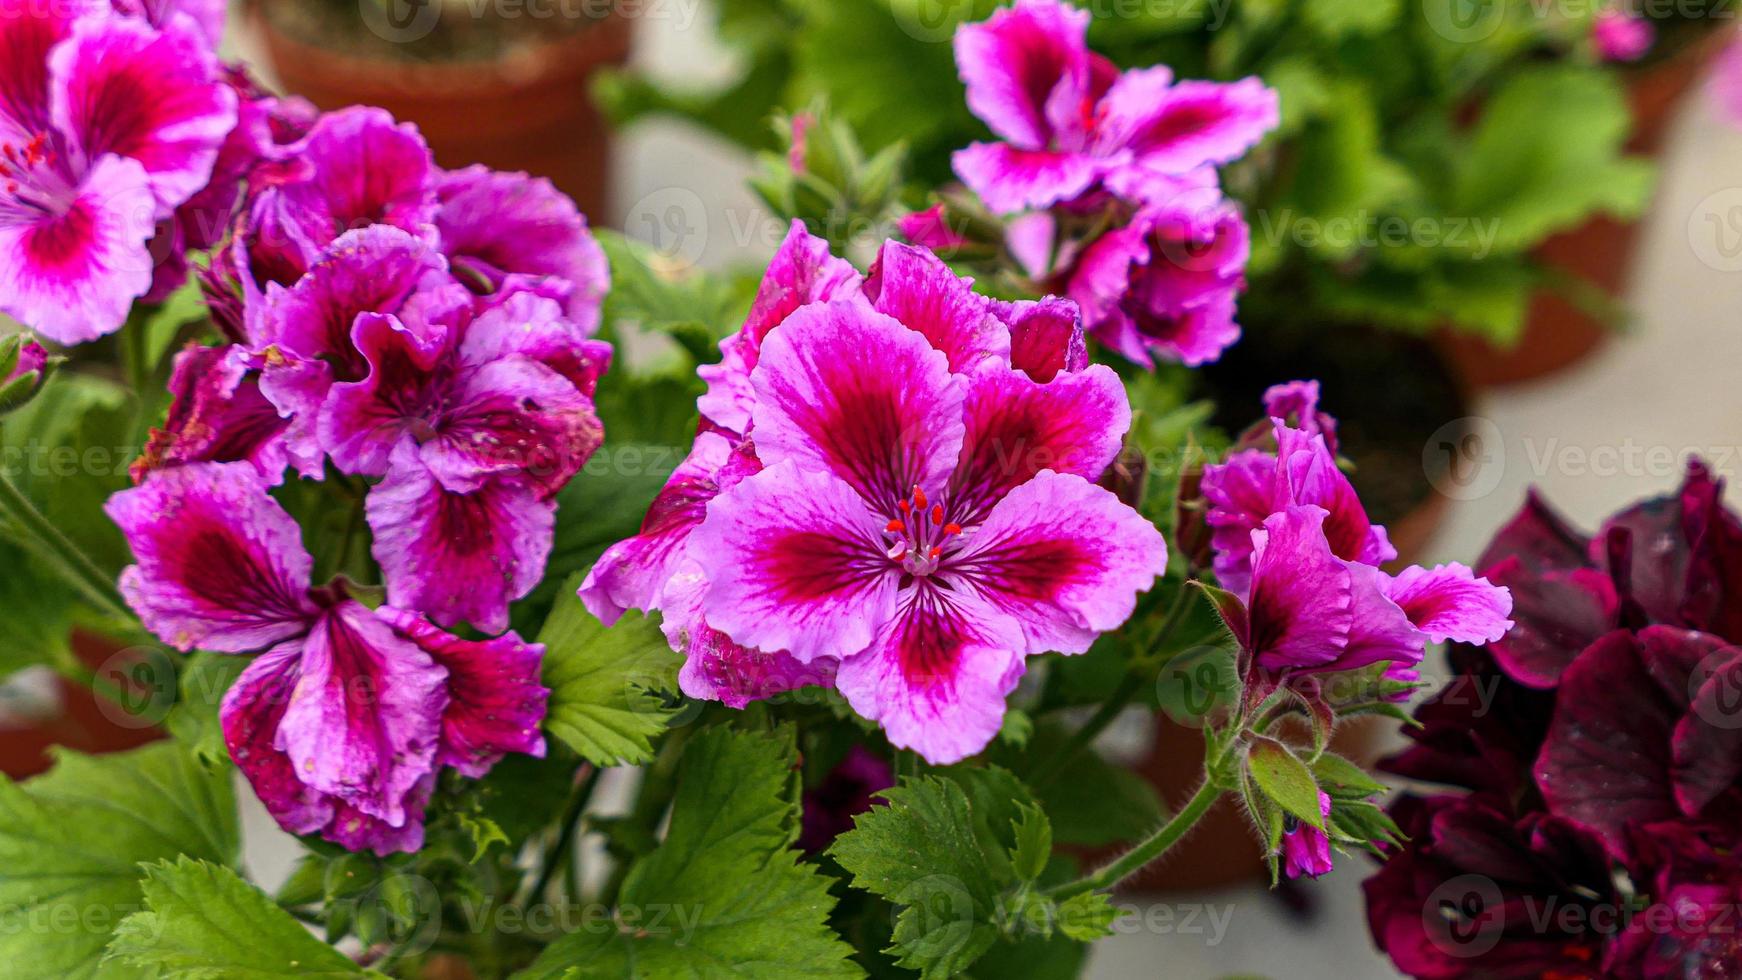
[(848, 790), (1482, 731)]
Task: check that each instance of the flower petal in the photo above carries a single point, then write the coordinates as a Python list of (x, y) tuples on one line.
[(497, 224), (458, 556), (1448, 602), (361, 421), (121, 87), (366, 170), (919, 290), (1008, 179), (1063, 558), (717, 669), (217, 415), (938, 674), (495, 701), (513, 416), (1018, 427), (1174, 127), (221, 566), (1046, 337), (1302, 603), (250, 715), (364, 718), (846, 390), (1014, 62), (520, 320), (796, 562)]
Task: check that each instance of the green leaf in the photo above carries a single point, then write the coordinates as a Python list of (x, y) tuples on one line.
[(1344, 780), (925, 853), (1336, 18), (1547, 153), (1087, 917), (725, 894), (602, 681), (484, 832), (1285, 779), (204, 923), (1033, 842), (72, 840)]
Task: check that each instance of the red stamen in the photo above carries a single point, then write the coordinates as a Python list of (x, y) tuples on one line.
[(905, 506), (937, 514), (935, 553), (919, 498), (896, 526), (952, 529)]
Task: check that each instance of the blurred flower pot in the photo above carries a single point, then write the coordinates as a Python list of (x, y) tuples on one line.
[(43, 711), (1557, 334), (528, 109)]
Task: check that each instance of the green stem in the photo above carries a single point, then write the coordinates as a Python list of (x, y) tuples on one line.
[(571, 823), (73, 564), (1140, 856)]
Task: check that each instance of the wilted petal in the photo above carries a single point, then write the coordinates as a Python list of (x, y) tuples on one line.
[(796, 562), (495, 701), (217, 414), (364, 718), (458, 556), (220, 565), (846, 390), (1063, 558), (497, 224), (936, 678), (1016, 427)]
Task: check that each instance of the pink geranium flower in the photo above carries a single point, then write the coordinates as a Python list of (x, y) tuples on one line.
[(347, 715), (107, 125), (1069, 122)]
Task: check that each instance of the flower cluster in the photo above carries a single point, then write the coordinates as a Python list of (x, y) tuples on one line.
[(1295, 547), (1596, 747), (892, 492), (426, 335), (1117, 172), (119, 132)]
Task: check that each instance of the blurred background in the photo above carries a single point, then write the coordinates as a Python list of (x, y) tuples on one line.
[(1558, 306)]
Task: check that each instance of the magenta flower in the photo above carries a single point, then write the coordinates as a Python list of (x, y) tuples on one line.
[(1165, 285), (912, 514), (1621, 36), (931, 229), (344, 720), (31, 357), (217, 415), (1305, 849), (849, 789), (107, 125), (1071, 123)]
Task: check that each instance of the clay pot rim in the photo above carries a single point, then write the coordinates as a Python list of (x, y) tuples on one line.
[(576, 55)]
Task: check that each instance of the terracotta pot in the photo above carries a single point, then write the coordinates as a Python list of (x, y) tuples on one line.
[(75, 718), (1557, 334), (532, 112)]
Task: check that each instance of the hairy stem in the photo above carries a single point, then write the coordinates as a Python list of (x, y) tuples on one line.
[(1155, 846)]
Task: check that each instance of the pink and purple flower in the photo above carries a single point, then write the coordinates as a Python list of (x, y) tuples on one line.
[(347, 714)]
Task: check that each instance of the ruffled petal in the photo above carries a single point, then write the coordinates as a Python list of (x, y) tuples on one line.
[(497, 224), (1063, 558), (521, 320), (1017, 427), (1448, 602), (365, 169), (362, 421), (458, 557), (217, 414), (250, 715), (495, 701), (717, 669), (220, 565), (364, 719), (1302, 603), (843, 389), (1240, 492), (796, 562), (938, 674), (120, 87), (632, 574), (1014, 62), (72, 274), (1379, 630), (1009, 179), (1174, 127), (515, 417), (1046, 337), (916, 288), (802, 272)]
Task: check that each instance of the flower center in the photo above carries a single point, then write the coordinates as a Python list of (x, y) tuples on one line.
[(31, 177), (920, 538)]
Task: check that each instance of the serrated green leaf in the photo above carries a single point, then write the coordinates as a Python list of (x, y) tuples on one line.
[(72, 840), (1087, 917), (202, 922), (194, 722), (1282, 777), (729, 892), (601, 681), (1033, 843)]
